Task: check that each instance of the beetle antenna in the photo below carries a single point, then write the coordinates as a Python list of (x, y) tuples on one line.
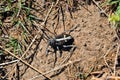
[(47, 49), (54, 29), (45, 34), (63, 16), (72, 29), (42, 28)]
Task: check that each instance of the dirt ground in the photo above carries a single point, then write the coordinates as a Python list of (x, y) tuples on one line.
[(94, 38), (96, 49)]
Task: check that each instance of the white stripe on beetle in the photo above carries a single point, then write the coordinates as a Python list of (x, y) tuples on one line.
[(65, 38)]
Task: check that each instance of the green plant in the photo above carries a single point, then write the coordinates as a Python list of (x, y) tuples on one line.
[(15, 44), (115, 17), (1, 52), (20, 17)]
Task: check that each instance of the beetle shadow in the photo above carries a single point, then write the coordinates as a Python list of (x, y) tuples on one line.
[(55, 57), (61, 52), (62, 69)]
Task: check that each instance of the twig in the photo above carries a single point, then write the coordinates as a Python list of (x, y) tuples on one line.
[(117, 33), (41, 30), (56, 2), (57, 68), (116, 57), (19, 4), (85, 8), (105, 58), (7, 63), (74, 27), (118, 48), (77, 25), (25, 63), (29, 46), (112, 78), (63, 17), (45, 20), (100, 8), (17, 72)]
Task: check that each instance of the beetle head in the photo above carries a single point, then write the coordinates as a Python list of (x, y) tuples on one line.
[(52, 42)]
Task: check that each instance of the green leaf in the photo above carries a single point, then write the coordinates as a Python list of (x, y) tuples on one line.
[(1, 22), (111, 2), (27, 9), (1, 52), (7, 8), (118, 10), (15, 44), (24, 28), (114, 18)]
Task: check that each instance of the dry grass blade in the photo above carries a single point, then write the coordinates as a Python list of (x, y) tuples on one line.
[(57, 2), (63, 16), (19, 4), (29, 46), (116, 57), (25, 63), (45, 20), (113, 78), (17, 73), (101, 10), (108, 51), (7, 63), (41, 29)]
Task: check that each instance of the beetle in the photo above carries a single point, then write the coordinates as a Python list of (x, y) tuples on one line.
[(60, 42)]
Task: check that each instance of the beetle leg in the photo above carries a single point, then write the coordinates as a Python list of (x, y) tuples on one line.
[(59, 51), (73, 48), (55, 58), (69, 56), (47, 49)]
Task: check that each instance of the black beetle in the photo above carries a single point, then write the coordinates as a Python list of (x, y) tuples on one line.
[(60, 42)]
